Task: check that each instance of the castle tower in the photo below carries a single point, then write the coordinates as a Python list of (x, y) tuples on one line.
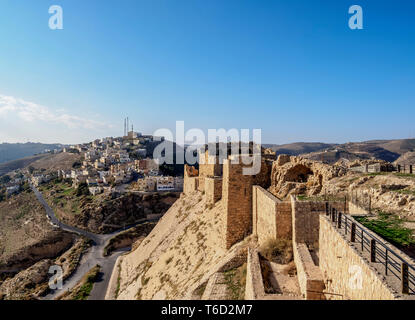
[(209, 166), (237, 197)]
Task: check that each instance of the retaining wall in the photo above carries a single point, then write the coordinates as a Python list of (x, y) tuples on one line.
[(271, 217), (348, 274), (310, 277)]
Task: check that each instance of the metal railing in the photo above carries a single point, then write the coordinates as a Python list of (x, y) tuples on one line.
[(393, 263)]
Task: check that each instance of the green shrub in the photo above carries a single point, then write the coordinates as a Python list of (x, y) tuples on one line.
[(277, 250), (82, 190)]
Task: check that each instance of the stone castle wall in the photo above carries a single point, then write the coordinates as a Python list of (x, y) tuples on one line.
[(213, 189), (254, 287), (347, 273), (209, 166), (310, 278), (305, 220), (190, 180), (271, 218), (237, 197), (190, 184)]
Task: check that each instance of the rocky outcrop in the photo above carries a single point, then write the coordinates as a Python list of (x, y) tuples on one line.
[(296, 175), (112, 214), (25, 284), (53, 244)]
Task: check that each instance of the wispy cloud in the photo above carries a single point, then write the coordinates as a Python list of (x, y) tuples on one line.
[(32, 112)]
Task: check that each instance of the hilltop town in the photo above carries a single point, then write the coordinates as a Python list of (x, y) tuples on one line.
[(105, 165)]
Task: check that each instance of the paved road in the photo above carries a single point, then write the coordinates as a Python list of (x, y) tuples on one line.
[(93, 257)]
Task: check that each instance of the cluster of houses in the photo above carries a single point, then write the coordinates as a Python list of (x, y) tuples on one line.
[(38, 179), (13, 186), (107, 164)]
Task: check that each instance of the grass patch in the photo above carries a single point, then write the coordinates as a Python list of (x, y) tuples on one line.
[(236, 280), (406, 192), (374, 174), (23, 211), (84, 287), (303, 197), (84, 291), (390, 227)]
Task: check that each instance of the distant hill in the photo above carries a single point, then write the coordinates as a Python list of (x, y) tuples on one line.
[(297, 148), (13, 151), (400, 150), (6, 167), (406, 158)]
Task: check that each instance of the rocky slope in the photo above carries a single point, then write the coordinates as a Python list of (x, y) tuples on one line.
[(26, 236), (388, 192), (179, 255), (27, 283)]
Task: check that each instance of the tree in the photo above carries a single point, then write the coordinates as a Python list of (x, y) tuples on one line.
[(5, 179), (25, 186), (82, 190), (76, 165)]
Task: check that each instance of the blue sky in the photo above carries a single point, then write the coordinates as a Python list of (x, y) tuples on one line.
[(291, 68)]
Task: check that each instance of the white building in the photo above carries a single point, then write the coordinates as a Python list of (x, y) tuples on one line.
[(13, 189), (165, 183)]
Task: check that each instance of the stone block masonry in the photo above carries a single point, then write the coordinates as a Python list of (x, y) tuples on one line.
[(213, 189), (190, 184), (254, 287), (310, 277), (191, 179), (305, 215), (271, 217), (237, 197), (306, 223), (209, 166), (347, 273)]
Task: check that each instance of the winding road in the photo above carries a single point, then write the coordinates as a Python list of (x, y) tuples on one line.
[(93, 257)]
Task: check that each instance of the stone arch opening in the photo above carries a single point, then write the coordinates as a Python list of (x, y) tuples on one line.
[(299, 173)]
